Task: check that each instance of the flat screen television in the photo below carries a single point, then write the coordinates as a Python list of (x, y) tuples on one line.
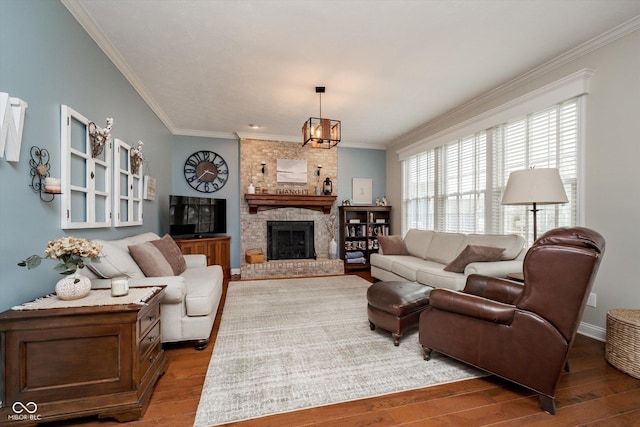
[(193, 217)]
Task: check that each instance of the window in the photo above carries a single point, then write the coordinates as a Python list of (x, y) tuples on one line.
[(457, 187)]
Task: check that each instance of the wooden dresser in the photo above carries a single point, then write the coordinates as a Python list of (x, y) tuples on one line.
[(61, 363), (217, 250)]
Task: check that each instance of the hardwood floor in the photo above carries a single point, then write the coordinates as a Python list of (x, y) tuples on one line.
[(593, 393)]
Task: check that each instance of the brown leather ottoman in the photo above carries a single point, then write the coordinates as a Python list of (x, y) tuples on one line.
[(396, 306)]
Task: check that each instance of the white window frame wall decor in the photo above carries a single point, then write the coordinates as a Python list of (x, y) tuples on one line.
[(86, 180), (128, 187)]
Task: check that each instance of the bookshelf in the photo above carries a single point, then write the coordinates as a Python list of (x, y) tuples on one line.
[(360, 227)]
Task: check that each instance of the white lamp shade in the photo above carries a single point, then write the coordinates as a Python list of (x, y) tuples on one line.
[(541, 186)]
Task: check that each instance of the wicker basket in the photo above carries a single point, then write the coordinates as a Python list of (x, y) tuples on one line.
[(254, 256), (622, 349)]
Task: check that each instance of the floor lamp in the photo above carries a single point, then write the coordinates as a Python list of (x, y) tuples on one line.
[(534, 187)]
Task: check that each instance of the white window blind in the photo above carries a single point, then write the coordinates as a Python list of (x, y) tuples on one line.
[(449, 188)]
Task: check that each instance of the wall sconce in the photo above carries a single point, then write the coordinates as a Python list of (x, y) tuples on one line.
[(318, 171), (99, 136), (39, 163), (264, 167)]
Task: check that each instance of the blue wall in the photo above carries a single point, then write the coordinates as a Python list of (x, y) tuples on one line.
[(229, 150), (47, 59), (361, 163)]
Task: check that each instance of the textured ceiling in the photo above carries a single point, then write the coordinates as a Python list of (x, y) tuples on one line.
[(212, 67)]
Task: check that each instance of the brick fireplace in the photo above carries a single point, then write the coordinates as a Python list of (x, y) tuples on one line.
[(253, 221)]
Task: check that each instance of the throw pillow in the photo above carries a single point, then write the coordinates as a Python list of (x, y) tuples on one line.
[(150, 260), (172, 253), (471, 254), (392, 245)]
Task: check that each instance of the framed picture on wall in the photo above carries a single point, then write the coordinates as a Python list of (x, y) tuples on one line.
[(362, 189), (293, 171)]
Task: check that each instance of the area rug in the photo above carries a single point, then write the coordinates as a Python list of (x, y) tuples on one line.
[(291, 344)]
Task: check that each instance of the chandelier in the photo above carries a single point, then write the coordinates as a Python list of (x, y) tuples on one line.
[(320, 132)]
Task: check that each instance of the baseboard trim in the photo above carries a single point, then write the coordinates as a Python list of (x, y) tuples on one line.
[(592, 331)]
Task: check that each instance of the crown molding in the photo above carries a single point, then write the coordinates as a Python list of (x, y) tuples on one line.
[(595, 43), (84, 19)]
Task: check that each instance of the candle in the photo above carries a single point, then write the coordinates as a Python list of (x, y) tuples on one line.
[(119, 286), (52, 185)]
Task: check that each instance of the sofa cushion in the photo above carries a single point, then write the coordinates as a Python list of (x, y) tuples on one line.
[(473, 253), (436, 277), (444, 247), (383, 261), (172, 253), (115, 261), (150, 260), (418, 241), (512, 243), (407, 267), (392, 245)]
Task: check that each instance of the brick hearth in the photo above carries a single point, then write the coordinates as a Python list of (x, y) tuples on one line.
[(292, 268)]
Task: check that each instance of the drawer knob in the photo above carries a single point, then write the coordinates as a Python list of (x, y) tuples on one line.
[(152, 337), (152, 358), (152, 318)]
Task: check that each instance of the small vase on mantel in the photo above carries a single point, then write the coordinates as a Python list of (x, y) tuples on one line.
[(73, 286)]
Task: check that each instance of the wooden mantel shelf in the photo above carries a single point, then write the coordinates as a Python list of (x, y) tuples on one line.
[(261, 202)]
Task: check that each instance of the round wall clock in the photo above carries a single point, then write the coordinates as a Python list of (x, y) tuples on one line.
[(206, 171)]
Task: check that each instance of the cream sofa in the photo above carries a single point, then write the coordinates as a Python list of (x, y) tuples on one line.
[(428, 252), (191, 299)]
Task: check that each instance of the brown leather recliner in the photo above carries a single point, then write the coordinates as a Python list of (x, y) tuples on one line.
[(522, 333)]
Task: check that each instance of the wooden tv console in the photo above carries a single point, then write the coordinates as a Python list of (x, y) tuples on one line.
[(63, 363)]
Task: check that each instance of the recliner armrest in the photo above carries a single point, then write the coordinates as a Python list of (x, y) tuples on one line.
[(493, 288), (471, 306)]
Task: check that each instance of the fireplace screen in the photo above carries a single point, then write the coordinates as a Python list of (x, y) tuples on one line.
[(290, 240)]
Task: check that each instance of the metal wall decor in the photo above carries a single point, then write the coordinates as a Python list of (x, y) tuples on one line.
[(136, 157), (99, 136), (46, 187)]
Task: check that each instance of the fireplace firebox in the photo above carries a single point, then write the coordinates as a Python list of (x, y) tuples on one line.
[(290, 240)]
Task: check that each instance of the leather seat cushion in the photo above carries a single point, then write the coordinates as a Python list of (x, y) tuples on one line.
[(398, 298)]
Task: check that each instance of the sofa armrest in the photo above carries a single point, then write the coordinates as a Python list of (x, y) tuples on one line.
[(494, 269), (174, 292), (471, 305), (195, 260)]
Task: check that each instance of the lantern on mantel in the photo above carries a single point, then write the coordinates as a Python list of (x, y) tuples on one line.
[(327, 187)]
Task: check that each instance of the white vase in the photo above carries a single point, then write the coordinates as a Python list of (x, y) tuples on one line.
[(251, 189), (333, 249), (74, 286)]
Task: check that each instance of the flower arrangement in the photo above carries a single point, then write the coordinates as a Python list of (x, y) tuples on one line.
[(330, 223), (99, 136), (73, 253), (136, 157)]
